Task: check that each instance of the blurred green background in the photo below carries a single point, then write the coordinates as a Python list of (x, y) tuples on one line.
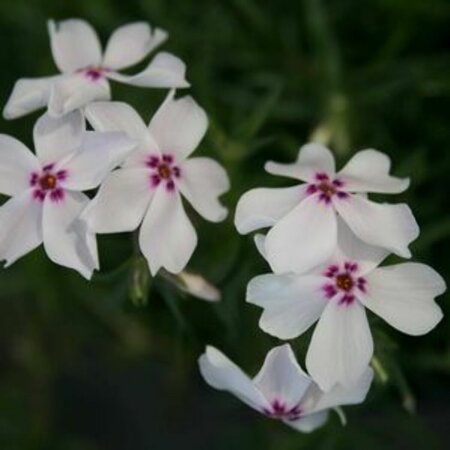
[(95, 366)]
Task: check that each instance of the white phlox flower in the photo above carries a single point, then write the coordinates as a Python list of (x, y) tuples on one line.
[(149, 186), (45, 189), (304, 217), (337, 295), (86, 70), (281, 390)]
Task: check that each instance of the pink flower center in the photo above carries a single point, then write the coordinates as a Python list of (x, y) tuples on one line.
[(163, 170), (326, 188), (344, 282), (279, 410), (93, 73), (48, 182)]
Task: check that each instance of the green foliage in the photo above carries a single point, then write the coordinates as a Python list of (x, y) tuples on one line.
[(112, 363)]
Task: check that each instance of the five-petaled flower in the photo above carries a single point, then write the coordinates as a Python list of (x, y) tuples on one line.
[(46, 189), (335, 294), (304, 218), (281, 390), (85, 71), (147, 188)]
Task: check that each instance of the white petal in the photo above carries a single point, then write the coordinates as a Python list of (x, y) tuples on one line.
[(164, 71), (341, 346), (368, 171), (197, 286), (28, 95), (167, 238), (99, 154), (202, 181), (291, 303), (55, 138), (71, 92), (21, 230), (179, 125), (264, 207), (119, 116), (131, 43), (351, 248), (66, 239), (221, 373), (120, 203), (74, 44), (403, 295), (281, 378), (260, 243), (312, 159), (17, 163), (303, 238), (309, 423), (392, 227), (340, 395)]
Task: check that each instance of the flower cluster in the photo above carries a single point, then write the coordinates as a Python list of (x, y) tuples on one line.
[(142, 171), (325, 244)]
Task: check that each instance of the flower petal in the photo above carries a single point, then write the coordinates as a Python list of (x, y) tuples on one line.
[(403, 295), (167, 238), (119, 116), (341, 346), (21, 230), (202, 181), (392, 227), (17, 163), (120, 203), (195, 285), (55, 138), (309, 423), (131, 43), (28, 95), (264, 207), (312, 159), (368, 171), (74, 44), (340, 395), (66, 239), (260, 243), (164, 71), (71, 92), (303, 238), (98, 155), (281, 377), (351, 248), (291, 303), (179, 125), (221, 373)]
